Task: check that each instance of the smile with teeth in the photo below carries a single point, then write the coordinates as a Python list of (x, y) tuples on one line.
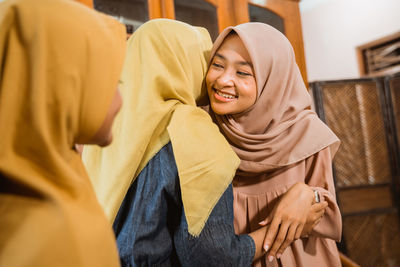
[(228, 96)]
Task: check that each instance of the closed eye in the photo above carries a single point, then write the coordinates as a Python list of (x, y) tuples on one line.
[(217, 65), (241, 73)]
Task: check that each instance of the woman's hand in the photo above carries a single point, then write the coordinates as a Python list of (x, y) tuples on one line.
[(316, 213), (289, 217)]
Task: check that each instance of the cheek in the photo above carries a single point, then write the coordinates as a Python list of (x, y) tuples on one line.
[(211, 77), (208, 87), (250, 89), (208, 80)]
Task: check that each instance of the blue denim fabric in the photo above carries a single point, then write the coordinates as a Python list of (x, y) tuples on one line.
[(151, 227)]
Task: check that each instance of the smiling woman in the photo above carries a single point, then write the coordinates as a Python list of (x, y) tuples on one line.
[(261, 105), (230, 80)]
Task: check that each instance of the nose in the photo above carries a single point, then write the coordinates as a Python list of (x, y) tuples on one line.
[(226, 79)]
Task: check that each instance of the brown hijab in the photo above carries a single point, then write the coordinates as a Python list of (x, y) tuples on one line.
[(280, 128)]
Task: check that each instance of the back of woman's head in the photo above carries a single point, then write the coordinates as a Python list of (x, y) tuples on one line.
[(167, 54), (59, 68)]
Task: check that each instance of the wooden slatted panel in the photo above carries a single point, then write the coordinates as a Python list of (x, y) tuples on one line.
[(353, 112), (358, 112), (365, 199), (373, 240), (395, 92)]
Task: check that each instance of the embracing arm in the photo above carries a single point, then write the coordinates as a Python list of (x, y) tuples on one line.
[(258, 238), (319, 177)]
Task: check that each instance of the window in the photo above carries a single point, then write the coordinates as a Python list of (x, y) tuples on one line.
[(132, 13), (198, 13)]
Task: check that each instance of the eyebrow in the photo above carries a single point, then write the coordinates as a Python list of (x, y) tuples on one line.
[(243, 63)]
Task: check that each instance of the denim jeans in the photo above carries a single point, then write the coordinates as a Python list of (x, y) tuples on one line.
[(151, 227)]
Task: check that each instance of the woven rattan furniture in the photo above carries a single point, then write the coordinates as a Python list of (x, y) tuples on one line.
[(364, 114)]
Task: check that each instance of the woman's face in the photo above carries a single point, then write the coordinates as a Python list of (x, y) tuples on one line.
[(104, 137), (231, 84)]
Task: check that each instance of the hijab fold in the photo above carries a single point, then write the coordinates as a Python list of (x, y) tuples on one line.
[(160, 84), (280, 129)]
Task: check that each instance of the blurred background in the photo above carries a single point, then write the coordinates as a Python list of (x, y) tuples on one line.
[(348, 52)]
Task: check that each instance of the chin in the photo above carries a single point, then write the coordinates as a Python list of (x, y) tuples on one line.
[(106, 142), (218, 110)]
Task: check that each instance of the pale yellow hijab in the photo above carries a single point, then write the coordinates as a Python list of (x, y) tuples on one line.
[(59, 67), (161, 82)]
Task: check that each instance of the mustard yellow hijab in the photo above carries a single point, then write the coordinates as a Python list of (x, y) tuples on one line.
[(59, 67), (160, 84)]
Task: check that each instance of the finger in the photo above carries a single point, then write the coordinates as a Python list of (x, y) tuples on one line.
[(268, 219), (271, 233), (307, 230), (319, 206), (299, 230), (315, 219), (265, 222), (319, 214), (315, 223), (280, 238), (290, 237), (324, 204), (315, 215)]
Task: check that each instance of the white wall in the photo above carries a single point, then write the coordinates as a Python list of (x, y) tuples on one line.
[(332, 29)]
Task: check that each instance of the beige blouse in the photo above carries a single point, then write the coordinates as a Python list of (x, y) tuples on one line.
[(255, 197)]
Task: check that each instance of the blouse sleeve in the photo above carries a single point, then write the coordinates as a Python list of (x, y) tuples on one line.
[(217, 244), (319, 176)]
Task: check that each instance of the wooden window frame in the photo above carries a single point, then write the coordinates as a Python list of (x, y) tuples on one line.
[(363, 61), (289, 11)]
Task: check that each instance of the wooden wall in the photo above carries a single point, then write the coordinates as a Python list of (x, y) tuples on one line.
[(233, 12)]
